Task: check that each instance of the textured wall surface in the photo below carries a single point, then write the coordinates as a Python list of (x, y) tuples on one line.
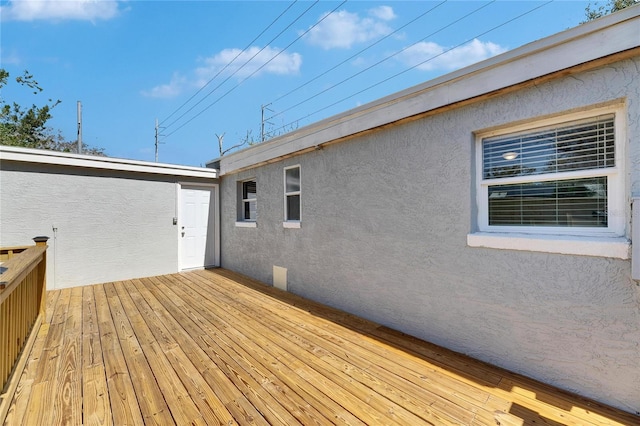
[(383, 235), (110, 226)]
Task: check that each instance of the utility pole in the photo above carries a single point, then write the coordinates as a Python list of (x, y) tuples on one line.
[(79, 127), (156, 140), (262, 108), (158, 134)]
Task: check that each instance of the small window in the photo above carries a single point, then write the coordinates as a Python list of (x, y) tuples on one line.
[(562, 178), (292, 205), (247, 207)]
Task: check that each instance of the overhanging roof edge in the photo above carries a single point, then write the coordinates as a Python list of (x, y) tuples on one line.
[(28, 155), (585, 43)]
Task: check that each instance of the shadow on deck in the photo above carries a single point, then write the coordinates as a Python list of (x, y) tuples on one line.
[(214, 347)]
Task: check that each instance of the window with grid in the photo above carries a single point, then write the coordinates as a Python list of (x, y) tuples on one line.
[(249, 202), (292, 194), (563, 177)]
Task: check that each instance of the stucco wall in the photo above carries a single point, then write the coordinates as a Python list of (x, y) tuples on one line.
[(109, 225), (383, 235)]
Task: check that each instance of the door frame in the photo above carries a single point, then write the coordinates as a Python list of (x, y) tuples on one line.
[(216, 219)]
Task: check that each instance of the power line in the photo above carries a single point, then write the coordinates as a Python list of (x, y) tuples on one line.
[(382, 60), (421, 63), (259, 68), (355, 55), (234, 73), (245, 63), (231, 62)]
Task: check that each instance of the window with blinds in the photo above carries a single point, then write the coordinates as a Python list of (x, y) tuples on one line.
[(292, 194), (249, 200), (553, 177)]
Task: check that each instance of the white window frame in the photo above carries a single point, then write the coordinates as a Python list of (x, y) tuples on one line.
[(605, 242), (242, 221), (287, 222)]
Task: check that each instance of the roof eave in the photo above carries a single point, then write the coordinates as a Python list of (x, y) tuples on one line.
[(28, 155), (606, 36)]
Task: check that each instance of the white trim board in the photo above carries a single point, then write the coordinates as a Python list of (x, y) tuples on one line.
[(614, 247), (27, 155)]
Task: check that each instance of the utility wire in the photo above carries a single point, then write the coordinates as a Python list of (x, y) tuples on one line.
[(259, 68), (231, 62), (417, 65), (355, 55), (234, 73), (380, 61)]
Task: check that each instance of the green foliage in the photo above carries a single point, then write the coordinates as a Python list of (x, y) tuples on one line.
[(27, 127), (591, 12)]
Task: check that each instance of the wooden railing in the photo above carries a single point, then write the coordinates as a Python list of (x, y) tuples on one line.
[(7, 253), (22, 306)]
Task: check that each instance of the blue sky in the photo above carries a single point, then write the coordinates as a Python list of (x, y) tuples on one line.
[(130, 62)]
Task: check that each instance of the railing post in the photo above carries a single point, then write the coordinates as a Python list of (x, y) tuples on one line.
[(42, 275), (41, 241)]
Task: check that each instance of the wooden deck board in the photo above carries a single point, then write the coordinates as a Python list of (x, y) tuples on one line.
[(240, 336), (385, 375), (122, 396), (203, 356), (96, 409), (214, 347), (308, 346), (182, 408), (194, 391), (150, 398), (231, 362)]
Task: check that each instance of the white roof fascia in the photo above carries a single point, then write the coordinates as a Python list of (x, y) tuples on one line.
[(28, 155), (587, 42)]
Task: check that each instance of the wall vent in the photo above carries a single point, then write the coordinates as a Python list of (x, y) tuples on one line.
[(280, 277)]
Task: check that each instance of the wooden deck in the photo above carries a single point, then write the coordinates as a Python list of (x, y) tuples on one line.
[(213, 347)]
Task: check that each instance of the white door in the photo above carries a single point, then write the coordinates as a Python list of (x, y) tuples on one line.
[(197, 239)]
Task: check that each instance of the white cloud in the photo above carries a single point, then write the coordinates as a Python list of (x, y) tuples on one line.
[(85, 10), (9, 58), (170, 90), (445, 59), (284, 64), (259, 62), (344, 29), (383, 12)]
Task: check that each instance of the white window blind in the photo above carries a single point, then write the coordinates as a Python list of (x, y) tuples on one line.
[(555, 177), (292, 193), (249, 201), (577, 146)]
